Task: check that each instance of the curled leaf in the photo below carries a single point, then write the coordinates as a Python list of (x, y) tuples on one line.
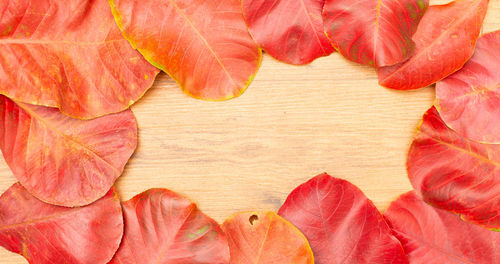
[(65, 161), (165, 228), (70, 55), (341, 224), (376, 33), (469, 100), (454, 173), (289, 30), (45, 233), (203, 44), (265, 237), (445, 40), (430, 235)]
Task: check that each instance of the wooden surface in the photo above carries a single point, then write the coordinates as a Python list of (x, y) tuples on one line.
[(291, 124)]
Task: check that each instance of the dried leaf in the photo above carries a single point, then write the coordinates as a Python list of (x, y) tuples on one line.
[(203, 44), (431, 235), (70, 55), (469, 100), (265, 237), (289, 30), (163, 227), (342, 225), (455, 173), (65, 161), (445, 40), (45, 233), (376, 33)]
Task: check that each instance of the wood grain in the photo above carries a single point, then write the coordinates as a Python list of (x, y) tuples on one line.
[(291, 124)]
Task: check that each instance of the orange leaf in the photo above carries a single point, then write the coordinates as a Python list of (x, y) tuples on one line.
[(203, 44), (61, 160), (265, 237), (444, 41), (70, 55)]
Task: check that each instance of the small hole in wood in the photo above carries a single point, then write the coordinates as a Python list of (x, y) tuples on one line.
[(253, 218)]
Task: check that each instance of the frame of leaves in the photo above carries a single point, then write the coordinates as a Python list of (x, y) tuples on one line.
[(67, 133)]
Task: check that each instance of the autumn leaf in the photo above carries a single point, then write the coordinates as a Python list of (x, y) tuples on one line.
[(469, 100), (165, 228), (70, 55), (455, 173), (45, 233), (376, 33), (65, 161), (342, 225), (289, 30), (445, 40), (203, 44), (265, 238), (431, 235)]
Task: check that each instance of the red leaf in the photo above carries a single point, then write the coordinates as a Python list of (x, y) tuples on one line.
[(445, 40), (290, 31), (265, 237), (70, 55), (431, 235), (65, 161), (469, 100), (342, 225), (376, 33), (455, 173), (45, 233), (164, 227), (203, 44)]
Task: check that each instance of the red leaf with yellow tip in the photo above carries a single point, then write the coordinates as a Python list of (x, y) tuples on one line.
[(469, 100), (70, 55), (289, 30), (265, 238), (165, 228), (445, 40), (430, 235), (65, 161), (373, 32), (342, 225), (203, 44), (454, 173), (45, 233)]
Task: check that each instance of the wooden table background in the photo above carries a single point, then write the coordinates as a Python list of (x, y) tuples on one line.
[(291, 124)]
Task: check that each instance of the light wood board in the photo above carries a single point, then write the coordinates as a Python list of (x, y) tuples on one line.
[(291, 124)]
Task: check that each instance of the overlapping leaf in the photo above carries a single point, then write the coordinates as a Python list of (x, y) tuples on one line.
[(163, 227), (455, 173), (203, 44), (289, 30), (445, 40), (265, 237), (70, 55), (469, 100), (45, 233), (342, 225), (370, 32), (431, 235), (61, 160)]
